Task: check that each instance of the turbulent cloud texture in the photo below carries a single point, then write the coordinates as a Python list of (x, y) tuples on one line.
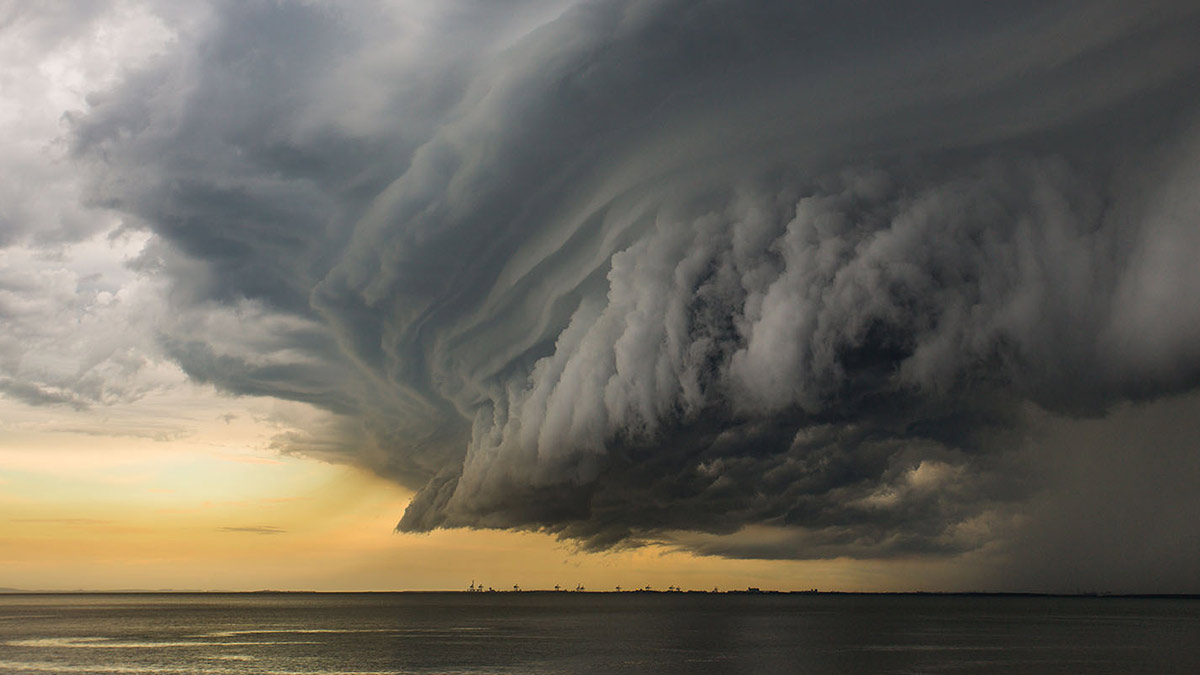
[(632, 269)]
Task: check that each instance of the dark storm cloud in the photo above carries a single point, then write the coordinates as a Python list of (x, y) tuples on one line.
[(619, 270)]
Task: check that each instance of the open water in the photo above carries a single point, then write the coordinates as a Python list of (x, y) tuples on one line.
[(301, 633)]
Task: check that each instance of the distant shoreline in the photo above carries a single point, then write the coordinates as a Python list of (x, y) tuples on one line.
[(640, 592)]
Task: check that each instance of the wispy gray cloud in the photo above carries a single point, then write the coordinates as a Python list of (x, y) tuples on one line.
[(77, 522), (256, 529)]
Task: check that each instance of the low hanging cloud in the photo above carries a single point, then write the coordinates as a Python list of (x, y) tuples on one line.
[(635, 270)]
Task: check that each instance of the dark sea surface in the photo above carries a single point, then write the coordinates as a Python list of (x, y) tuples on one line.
[(301, 633)]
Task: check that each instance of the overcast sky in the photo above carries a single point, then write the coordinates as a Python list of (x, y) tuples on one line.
[(757, 280)]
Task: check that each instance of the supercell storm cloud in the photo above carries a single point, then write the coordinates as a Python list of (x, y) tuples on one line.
[(644, 270)]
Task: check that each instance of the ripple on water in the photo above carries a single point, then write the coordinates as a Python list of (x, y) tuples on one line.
[(93, 642), (8, 666)]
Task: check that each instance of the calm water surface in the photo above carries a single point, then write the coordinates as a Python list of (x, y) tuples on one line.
[(221, 634)]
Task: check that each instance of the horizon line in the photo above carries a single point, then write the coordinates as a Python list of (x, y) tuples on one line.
[(636, 591)]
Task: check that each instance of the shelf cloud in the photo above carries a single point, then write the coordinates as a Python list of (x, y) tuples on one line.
[(762, 279)]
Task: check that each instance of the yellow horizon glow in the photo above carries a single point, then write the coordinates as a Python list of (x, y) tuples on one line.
[(210, 505)]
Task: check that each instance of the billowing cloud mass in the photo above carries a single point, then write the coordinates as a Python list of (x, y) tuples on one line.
[(768, 279)]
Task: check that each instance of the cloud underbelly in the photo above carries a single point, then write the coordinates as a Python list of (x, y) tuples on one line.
[(793, 351)]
